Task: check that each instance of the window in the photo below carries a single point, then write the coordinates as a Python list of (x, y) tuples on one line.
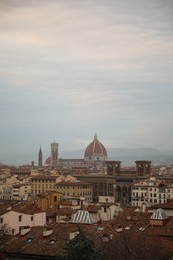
[(1, 220), (32, 218), (20, 218), (55, 198), (104, 209), (51, 242), (29, 239)]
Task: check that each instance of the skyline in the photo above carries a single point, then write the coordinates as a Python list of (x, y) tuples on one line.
[(70, 69)]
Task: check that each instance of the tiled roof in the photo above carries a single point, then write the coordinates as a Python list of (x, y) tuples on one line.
[(4, 206), (74, 183), (27, 208), (33, 243), (44, 177), (168, 205), (60, 212), (95, 148), (82, 217), (47, 193), (93, 208)]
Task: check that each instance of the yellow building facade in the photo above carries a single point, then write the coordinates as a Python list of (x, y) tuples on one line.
[(43, 183), (49, 199), (76, 189)]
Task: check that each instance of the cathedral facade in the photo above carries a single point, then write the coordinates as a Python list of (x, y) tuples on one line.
[(95, 155)]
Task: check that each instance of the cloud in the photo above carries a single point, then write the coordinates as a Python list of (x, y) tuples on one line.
[(73, 68), (81, 44)]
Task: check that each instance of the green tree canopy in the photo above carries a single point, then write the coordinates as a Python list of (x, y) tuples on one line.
[(82, 247)]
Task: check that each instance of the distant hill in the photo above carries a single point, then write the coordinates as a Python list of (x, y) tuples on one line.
[(128, 156)]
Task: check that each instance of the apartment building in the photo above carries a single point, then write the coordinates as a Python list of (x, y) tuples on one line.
[(76, 188), (21, 191), (6, 193), (22, 215), (43, 183), (49, 199), (151, 191)]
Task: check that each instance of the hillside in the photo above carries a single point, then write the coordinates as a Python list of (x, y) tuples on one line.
[(129, 155)]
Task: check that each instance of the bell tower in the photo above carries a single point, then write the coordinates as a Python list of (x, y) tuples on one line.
[(40, 158), (143, 168), (54, 154), (113, 167)]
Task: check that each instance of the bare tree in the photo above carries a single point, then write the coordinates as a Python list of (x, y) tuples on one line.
[(135, 246), (5, 235)]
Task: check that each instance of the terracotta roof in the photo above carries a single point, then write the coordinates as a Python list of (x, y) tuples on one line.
[(44, 177), (73, 183), (46, 193), (29, 209), (93, 208), (33, 243), (60, 212), (4, 206), (95, 148), (168, 205)]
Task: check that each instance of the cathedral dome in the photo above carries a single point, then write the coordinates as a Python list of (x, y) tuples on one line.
[(95, 151)]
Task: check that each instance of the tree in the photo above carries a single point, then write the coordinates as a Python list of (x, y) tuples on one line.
[(5, 235), (134, 246), (82, 247)]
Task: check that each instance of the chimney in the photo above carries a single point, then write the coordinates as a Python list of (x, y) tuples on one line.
[(82, 199), (143, 207), (47, 231), (74, 231), (24, 230)]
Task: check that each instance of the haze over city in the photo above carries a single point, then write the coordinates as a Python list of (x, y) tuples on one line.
[(69, 69)]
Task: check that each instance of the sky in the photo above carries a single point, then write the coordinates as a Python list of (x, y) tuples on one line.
[(73, 68)]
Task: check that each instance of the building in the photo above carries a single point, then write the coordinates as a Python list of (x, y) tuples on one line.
[(151, 191), (49, 199), (54, 154), (7, 193), (129, 236), (20, 171), (95, 153), (22, 215), (49, 242), (70, 163), (40, 158), (43, 183), (117, 182), (21, 191), (76, 189)]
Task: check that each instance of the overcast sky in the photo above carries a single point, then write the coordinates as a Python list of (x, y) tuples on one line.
[(70, 68)]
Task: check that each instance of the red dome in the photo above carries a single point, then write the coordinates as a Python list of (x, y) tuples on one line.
[(95, 148)]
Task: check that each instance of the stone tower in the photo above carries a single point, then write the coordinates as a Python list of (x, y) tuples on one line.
[(143, 168), (40, 158), (113, 167), (54, 154)]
